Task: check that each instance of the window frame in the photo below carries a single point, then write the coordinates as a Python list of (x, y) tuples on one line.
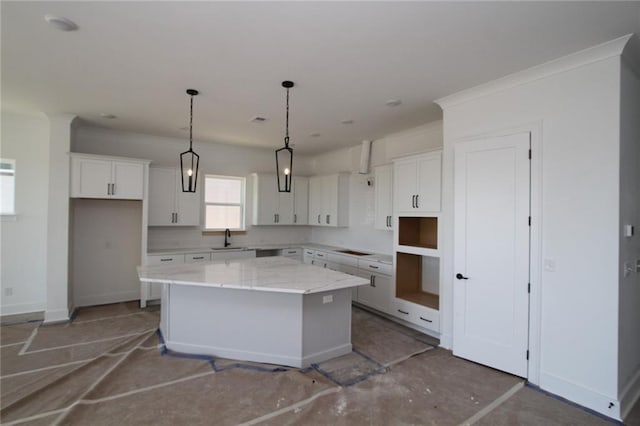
[(242, 204), (10, 214)]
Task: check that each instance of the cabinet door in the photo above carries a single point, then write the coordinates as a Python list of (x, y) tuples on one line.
[(265, 199), (405, 186), (378, 293), (90, 178), (330, 200), (188, 204), (384, 198), (300, 201), (429, 178), (307, 256), (315, 200), (285, 208), (127, 180), (162, 193)]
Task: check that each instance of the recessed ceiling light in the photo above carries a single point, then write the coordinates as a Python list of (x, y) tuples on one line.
[(346, 121), (314, 135), (60, 23), (108, 116), (258, 119), (393, 102)]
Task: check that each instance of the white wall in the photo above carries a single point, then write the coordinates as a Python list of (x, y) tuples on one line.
[(25, 138), (214, 159), (629, 299), (578, 111), (105, 250), (360, 235)]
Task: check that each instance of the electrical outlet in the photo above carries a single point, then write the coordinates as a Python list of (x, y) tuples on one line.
[(327, 299)]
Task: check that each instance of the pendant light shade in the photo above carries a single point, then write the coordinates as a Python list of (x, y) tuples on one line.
[(189, 160), (284, 155)]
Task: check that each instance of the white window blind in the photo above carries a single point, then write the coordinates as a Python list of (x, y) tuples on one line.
[(224, 202)]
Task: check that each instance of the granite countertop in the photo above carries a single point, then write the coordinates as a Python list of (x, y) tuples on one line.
[(383, 258), (271, 274)]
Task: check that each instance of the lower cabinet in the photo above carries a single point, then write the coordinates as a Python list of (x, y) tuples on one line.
[(197, 257), (377, 294), (154, 291), (416, 314), (292, 253)]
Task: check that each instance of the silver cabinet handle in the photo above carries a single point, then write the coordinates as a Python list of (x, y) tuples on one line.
[(318, 218), (328, 219), (198, 257), (417, 201), (373, 280), (373, 267), (176, 217), (403, 312), (166, 260), (427, 320), (278, 217), (295, 218), (413, 201), (274, 218), (113, 189)]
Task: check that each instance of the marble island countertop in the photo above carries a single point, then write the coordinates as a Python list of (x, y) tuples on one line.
[(384, 258), (270, 274)]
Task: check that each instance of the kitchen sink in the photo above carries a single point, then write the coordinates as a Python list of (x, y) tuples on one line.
[(228, 248), (355, 253)]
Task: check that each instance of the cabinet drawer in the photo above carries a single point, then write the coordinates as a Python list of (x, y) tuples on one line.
[(417, 314), (165, 260), (291, 252), (373, 266), (197, 257), (320, 255)]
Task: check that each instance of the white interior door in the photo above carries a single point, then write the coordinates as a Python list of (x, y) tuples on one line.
[(491, 263)]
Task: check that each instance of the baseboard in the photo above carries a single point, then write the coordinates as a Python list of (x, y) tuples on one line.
[(580, 395), (104, 299), (20, 318), (630, 395), (22, 308)]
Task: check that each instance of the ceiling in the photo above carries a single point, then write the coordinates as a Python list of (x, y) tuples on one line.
[(136, 59)]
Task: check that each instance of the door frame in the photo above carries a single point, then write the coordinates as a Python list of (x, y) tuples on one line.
[(537, 130)]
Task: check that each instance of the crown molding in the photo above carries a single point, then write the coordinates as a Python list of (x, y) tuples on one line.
[(575, 60)]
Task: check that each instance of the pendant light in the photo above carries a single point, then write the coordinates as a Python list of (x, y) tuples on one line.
[(189, 159), (284, 155)]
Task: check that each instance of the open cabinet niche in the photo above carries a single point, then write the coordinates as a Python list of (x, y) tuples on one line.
[(418, 279)]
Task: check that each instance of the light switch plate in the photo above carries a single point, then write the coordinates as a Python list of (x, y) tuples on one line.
[(327, 299)]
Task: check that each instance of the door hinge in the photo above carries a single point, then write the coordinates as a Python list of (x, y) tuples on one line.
[(529, 154), (529, 220), (529, 288), (527, 354)]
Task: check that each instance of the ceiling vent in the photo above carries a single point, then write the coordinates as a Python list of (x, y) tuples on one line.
[(258, 119)]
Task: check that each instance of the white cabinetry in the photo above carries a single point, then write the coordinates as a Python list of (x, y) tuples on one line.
[(379, 293), (271, 207), (329, 200), (300, 200), (168, 205), (384, 197), (95, 176), (154, 291), (417, 183)]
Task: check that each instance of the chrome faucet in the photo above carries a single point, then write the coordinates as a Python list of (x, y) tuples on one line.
[(227, 237)]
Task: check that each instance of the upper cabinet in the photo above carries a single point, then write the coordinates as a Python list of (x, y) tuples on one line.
[(168, 205), (417, 183), (300, 200), (329, 200), (94, 176), (383, 185), (271, 207)]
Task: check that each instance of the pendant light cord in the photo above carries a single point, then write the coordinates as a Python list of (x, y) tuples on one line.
[(191, 125), (286, 136)]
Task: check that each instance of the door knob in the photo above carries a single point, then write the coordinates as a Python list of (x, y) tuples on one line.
[(461, 277)]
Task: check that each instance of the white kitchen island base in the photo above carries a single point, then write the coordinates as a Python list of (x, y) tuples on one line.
[(271, 310), (276, 328)]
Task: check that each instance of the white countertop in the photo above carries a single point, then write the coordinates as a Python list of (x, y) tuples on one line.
[(271, 274)]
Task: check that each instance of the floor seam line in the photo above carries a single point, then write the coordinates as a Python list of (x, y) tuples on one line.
[(108, 318), (493, 405), (12, 344), (87, 343), (29, 340), (291, 407), (399, 360)]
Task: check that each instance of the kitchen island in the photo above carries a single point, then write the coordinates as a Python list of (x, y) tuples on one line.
[(273, 309)]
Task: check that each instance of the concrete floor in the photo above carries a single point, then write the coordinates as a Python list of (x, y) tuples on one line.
[(109, 367)]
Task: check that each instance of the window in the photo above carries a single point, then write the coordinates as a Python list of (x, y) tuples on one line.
[(224, 202), (7, 186)]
